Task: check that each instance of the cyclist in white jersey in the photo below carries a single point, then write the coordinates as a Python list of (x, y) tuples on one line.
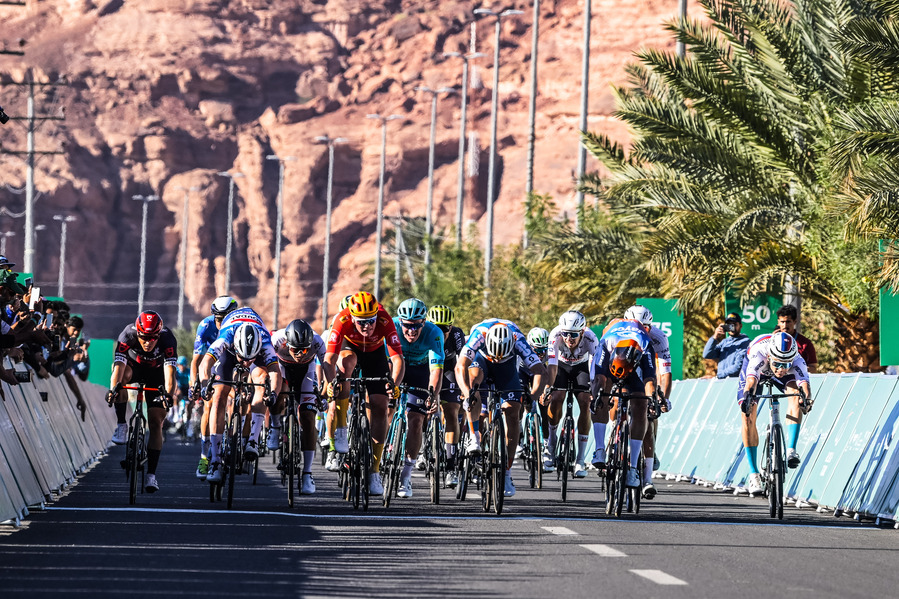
[(662, 350), (572, 347)]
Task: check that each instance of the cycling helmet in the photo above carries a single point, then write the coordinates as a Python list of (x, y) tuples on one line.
[(299, 334), (572, 322), (499, 342), (363, 305), (538, 338), (148, 324), (639, 313), (247, 341), (441, 315), (223, 305), (782, 347), (412, 309), (625, 357), (345, 302)]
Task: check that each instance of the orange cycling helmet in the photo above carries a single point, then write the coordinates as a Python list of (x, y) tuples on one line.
[(624, 358), (363, 305)]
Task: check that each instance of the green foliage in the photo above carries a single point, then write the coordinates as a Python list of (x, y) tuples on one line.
[(185, 339)]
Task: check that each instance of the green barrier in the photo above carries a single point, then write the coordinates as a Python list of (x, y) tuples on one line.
[(102, 352)]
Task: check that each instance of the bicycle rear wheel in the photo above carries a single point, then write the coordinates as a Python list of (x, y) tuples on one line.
[(779, 471), (291, 460)]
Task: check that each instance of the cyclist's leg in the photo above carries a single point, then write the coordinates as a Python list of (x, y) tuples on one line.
[(307, 419), (749, 430), (217, 406), (793, 418), (373, 364), (472, 405), (346, 364), (600, 419), (581, 372)]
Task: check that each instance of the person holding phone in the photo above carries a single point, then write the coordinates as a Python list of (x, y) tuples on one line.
[(727, 346)]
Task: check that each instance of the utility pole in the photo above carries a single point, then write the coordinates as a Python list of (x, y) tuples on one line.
[(380, 225), (3, 237), (532, 116), (63, 223), (278, 226), (143, 248), (680, 49), (184, 220), (331, 142), (585, 95), (429, 227), (231, 177)]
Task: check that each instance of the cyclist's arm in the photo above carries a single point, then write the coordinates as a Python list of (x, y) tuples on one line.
[(436, 380), (205, 368), (329, 365), (195, 368), (397, 368), (118, 373), (540, 377), (462, 377), (171, 379)]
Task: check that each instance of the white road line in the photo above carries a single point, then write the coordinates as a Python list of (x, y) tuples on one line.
[(558, 530), (659, 577), (604, 551)]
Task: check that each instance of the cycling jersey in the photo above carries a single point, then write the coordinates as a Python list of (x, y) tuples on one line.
[(453, 345), (661, 348), (426, 350), (207, 332), (128, 349), (279, 342), (224, 345), (475, 343), (344, 329), (559, 352), (756, 363), (621, 330)]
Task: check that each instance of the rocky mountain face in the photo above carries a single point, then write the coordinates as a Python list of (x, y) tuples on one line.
[(162, 95)]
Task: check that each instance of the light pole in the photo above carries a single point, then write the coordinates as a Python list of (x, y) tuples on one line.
[(463, 118), (494, 106), (585, 93), (278, 224), (379, 229), (3, 237), (63, 224), (532, 114), (143, 248), (433, 139), (183, 277), (680, 49), (231, 177), (331, 142)]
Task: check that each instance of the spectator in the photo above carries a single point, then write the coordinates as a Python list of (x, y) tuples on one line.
[(787, 317), (727, 346)]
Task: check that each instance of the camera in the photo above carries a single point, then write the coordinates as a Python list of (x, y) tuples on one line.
[(4, 118), (729, 327)]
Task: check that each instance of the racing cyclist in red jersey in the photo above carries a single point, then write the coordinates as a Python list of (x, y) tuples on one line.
[(358, 336)]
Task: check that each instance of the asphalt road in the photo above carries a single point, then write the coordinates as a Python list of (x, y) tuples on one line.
[(688, 542)]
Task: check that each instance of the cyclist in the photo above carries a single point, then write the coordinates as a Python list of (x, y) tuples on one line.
[(422, 345), (450, 397), (538, 339), (643, 315), (332, 464), (243, 338), (571, 349), (146, 352), (488, 357), (626, 355), (773, 357), (358, 336), (297, 346), (207, 333)]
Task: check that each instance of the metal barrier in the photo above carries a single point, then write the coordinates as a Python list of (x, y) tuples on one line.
[(44, 444)]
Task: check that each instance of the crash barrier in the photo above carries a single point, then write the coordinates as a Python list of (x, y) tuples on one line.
[(850, 462), (44, 443)]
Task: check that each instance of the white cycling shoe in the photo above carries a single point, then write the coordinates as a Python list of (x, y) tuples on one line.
[(308, 486), (509, 490), (120, 436), (405, 488), (341, 445), (580, 471)]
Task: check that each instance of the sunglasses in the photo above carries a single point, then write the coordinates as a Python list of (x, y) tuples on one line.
[(570, 334), (365, 322), (299, 350), (412, 326), (444, 327), (147, 337), (783, 365)]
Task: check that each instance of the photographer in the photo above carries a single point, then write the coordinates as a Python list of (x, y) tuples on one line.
[(727, 346)]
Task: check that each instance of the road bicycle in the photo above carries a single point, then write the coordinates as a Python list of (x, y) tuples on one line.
[(395, 448), (491, 468), (618, 455), (358, 461), (464, 462), (435, 453), (532, 445), (566, 444), (774, 457), (136, 445)]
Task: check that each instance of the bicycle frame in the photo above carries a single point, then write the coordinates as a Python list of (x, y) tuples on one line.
[(395, 448), (493, 460), (774, 468), (532, 433), (136, 444), (566, 439)]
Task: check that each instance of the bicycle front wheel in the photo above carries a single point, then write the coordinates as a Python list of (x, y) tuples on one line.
[(234, 457), (366, 459), (565, 449), (434, 465), (498, 459), (133, 449), (779, 471), (623, 466), (293, 428)]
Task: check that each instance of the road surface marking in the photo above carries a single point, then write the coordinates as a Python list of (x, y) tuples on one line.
[(659, 577), (604, 551), (558, 530)]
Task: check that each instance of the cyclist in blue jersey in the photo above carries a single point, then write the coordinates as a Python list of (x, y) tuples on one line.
[(489, 357), (422, 344), (207, 332), (242, 337)]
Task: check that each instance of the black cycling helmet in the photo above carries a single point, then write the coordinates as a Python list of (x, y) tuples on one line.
[(299, 334)]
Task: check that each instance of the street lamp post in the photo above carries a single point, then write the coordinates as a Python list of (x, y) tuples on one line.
[(585, 93), (680, 49), (331, 142), (183, 277), (463, 118), (143, 248), (433, 140), (278, 224), (63, 223), (494, 106), (231, 177), (532, 113), (379, 229), (3, 237)]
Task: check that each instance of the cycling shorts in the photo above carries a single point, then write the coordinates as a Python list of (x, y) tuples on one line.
[(223, 369), (300, 378), (449, 391), (417, 375), (502, 376), (371, 364), (150, 376), (579, 373)]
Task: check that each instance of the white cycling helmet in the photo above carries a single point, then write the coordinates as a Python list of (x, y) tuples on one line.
[(499, 342), (572, 322), (639, 313), (223, 305), (782, 347), (247, 341), (538, 338)]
